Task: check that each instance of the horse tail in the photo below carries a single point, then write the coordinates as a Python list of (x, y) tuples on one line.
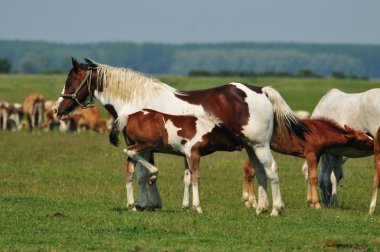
[(285, 122), (114, 135)]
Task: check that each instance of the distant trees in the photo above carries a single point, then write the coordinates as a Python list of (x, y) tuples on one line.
[(5, 65), (226, 59), (303, 73)]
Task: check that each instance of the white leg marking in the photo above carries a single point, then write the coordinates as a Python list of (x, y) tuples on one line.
[(130, 199), (141, 160), (196, 204), (187, 184)]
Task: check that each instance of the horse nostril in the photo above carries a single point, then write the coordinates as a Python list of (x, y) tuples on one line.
[(55, 111)]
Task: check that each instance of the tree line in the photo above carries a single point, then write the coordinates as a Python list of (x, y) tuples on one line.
[(263, 58), (303, 73)]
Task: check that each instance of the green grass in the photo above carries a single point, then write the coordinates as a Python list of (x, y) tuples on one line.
[(66, 191)]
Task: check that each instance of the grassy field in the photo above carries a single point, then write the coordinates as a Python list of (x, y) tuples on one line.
[(63, 191)]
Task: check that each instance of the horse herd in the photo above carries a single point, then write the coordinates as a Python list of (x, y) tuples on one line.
[(156, 118), (38, 114)]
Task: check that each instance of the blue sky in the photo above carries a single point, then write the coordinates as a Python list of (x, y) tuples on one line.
[(177, 21)]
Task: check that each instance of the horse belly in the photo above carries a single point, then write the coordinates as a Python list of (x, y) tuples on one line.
[(351, 152)]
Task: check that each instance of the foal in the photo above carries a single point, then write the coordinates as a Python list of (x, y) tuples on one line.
[(325, 134), (187, 136)]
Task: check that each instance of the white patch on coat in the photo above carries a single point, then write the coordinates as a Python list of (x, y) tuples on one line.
[(202, 127)]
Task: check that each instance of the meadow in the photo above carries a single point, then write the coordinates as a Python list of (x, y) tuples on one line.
[(65, 191)]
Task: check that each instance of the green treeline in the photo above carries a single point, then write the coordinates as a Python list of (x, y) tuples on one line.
[(151, 58)]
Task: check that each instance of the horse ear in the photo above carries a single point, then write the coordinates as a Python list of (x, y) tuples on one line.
[(75, 64), (91, 63), (348, 128)]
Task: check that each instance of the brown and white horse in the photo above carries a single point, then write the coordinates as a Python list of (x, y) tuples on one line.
[(10, 116), (188, 136), (325, 134), (33, 107), (249, 112)]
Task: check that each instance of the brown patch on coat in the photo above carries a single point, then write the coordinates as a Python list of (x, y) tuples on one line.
[(226, 102)]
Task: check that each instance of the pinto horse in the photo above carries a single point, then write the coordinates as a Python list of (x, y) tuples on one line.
[(360, 111), (325, 134), (248, 112), (187, 136)]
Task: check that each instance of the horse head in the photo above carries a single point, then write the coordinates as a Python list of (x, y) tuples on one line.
[(358, 138), (78, 90)]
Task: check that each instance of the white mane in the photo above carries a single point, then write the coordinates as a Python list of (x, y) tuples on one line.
[(127, 85)]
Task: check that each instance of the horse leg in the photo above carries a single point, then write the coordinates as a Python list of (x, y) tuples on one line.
[(249, 197), (263, 203), (324, 178), (156, 198), (336, 176), (39, 114), (142, 176), (133, 152), (312, 162), (376, 177), (5, 119), (305, 170), (334, 187), (264, 155), (187, 184), (193, 161), (129, 169)]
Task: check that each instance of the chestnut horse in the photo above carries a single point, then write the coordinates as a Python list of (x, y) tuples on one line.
[(187, 136), (249, 112), (360, 111), (33, 107), (325, 134)]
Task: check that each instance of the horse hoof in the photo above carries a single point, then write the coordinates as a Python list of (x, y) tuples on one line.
[(197, 209), (153, 208), (261, 210), (247, 204), (317, 205), (131, 208), (140, 208), (185, 209), (275, 212), (334, 201), (254, 204), (152, 178)]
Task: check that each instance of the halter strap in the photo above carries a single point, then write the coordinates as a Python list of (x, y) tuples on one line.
[(89, 102)]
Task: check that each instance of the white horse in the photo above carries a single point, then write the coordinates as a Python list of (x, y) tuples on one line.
[(360, 111), (249, 112)]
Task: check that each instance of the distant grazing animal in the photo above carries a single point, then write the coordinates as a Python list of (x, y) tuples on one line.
[(325, 135), (249, 112), (4, 115), (188, 136), (15, 113), (88, 119), (51, 120), (10, 116), (33, 107), (360, 111)]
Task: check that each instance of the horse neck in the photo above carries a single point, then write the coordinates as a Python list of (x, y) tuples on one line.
[(287, 143), (156, 96)]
